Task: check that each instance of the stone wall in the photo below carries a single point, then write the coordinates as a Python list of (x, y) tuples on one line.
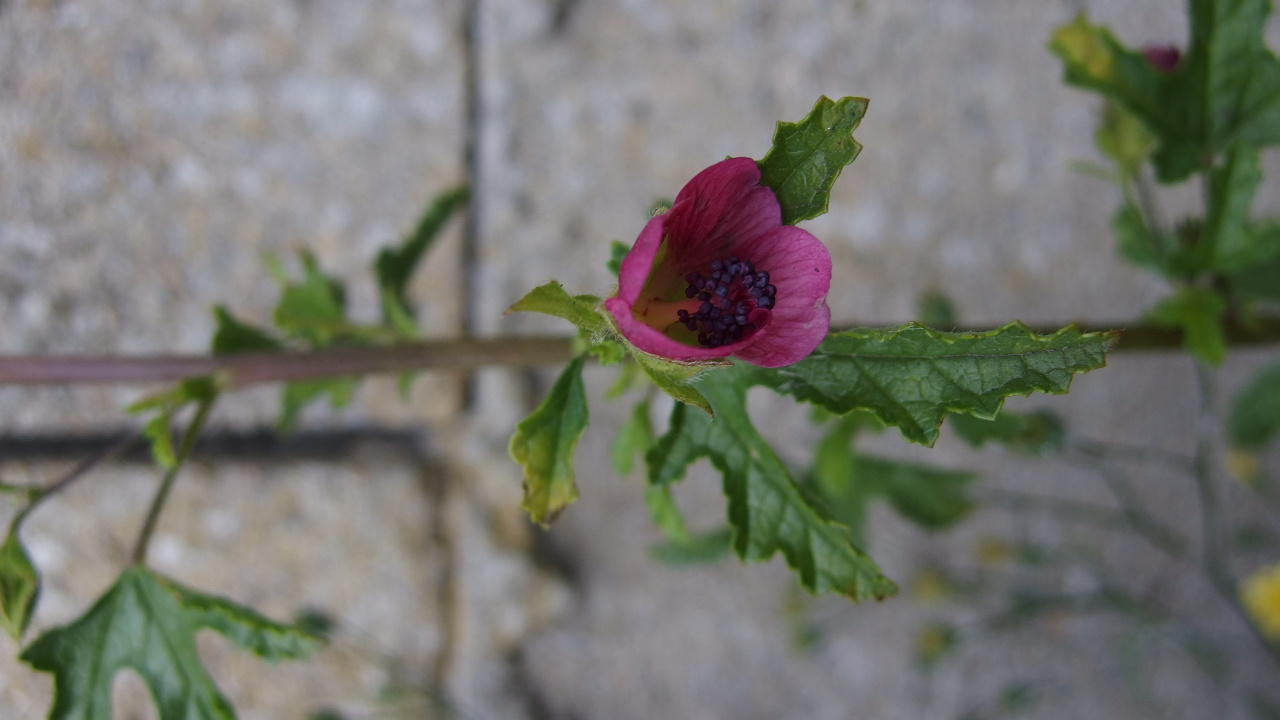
[(152, 150)]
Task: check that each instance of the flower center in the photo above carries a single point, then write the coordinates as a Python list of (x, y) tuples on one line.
[(729, 294)]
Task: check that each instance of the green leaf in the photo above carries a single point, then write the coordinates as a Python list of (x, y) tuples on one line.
[(543, 445), (606, 349), (233, 336), (937, 311), (634, 438), (1231, 78), (297, 395), (148, 623), (1122, 137), (666, 514), (910, 377), (1095, 59), (617, 253), (1033, 433), (838, 486), (1261, 280), (581, 310), (158, 431), (19, 586), (699, 549), (1148, 247), (675, 379), (396, 265), (166, 405), (1254, 419), (1199, 313), (767, 511), (846, 482), (933, 498), (807, 157), (1229, 241), (313, 310), (1225, 90)]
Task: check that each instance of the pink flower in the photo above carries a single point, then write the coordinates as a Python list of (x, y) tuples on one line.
[(1164, 58), (720, 275)]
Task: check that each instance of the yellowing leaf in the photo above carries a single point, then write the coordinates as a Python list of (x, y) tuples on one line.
[(543, 445)]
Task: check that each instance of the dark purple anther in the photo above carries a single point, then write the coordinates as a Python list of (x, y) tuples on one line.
[(731, 290)]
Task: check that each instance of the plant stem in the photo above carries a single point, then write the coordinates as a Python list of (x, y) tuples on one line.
[(1213, 559), (286, 366), (1105, 450), (293, 365), (125, 442), (184, 451), (1164, 538), (1143, 523)]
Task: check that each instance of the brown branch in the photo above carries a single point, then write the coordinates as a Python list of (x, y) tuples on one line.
[(252, 368)]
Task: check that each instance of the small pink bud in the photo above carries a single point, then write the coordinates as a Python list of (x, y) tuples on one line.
[(1164, 58)]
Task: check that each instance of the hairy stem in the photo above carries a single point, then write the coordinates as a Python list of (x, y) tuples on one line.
[(184, 451)]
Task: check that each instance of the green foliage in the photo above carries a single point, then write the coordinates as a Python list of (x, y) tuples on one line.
[(314, 309), (167, 404), (846, 482), (1258, 281), (1254, 419), (1146, 246), (617, 253), (910, 377), (666, 514), (19, 585), (634, 438), (807, 157), (396, 265), (1225, 90), (543, 445), (1227, 240), (1033, 433), (552, 299), (700, 548), (937, 311), (232, 336), (1199, 314), (297, 395), (676, 379), (148, 623), (767, 510), (1122, 137)]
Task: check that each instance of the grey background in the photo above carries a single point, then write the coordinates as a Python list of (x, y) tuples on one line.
[(152, 150)]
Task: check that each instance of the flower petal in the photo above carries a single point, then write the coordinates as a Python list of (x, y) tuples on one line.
[(639, 261), (799, 265), (655, 343), (787, 343), (721, 207)]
